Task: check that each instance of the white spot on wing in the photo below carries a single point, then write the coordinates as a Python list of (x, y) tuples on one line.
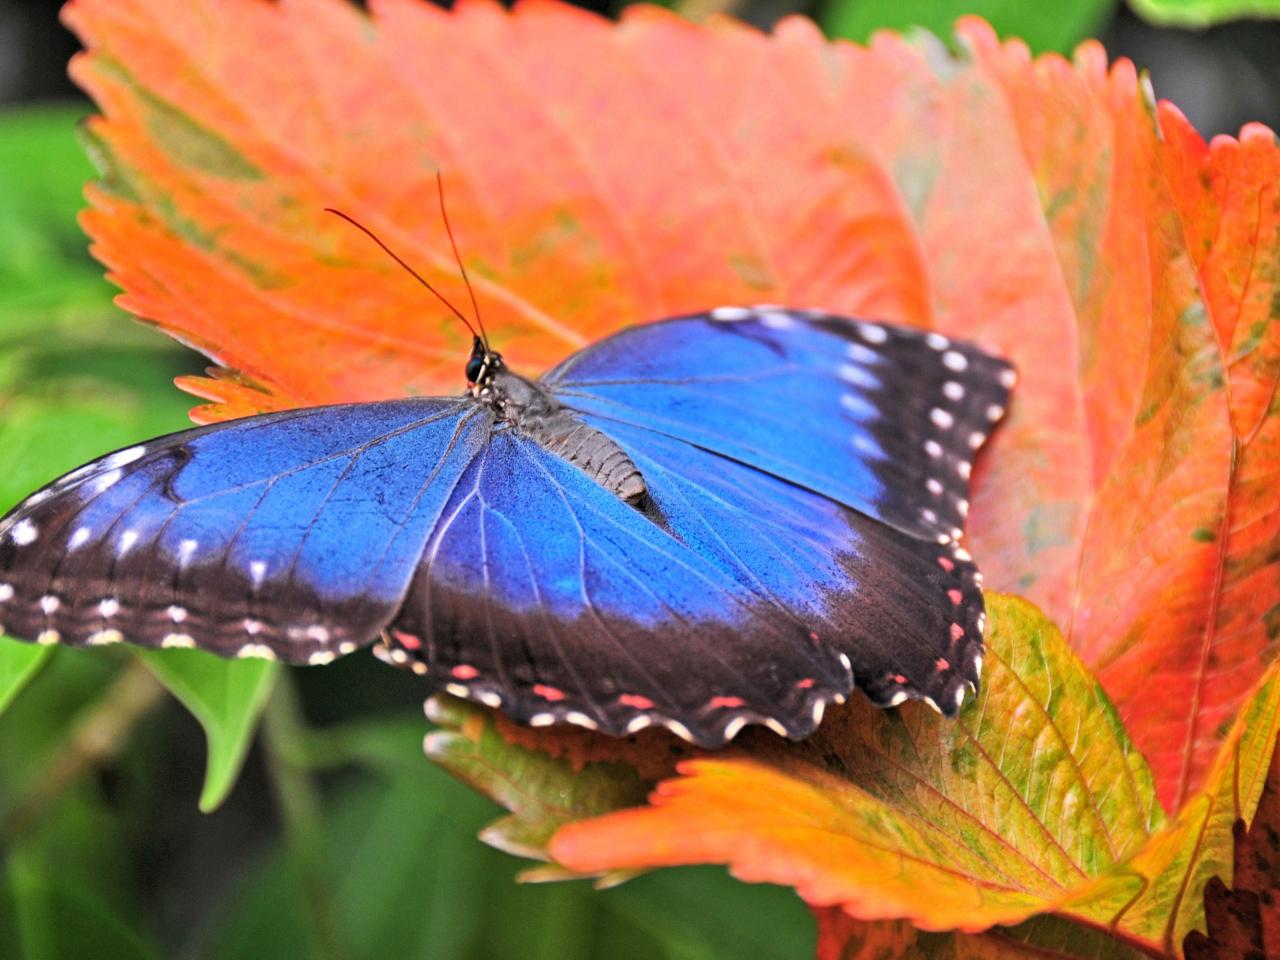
[(459, 689), (732, 728), (127, 540), (941, 418), (105, 480), (976, 440), (24, 532), (1008, 378), (856, 375), (488, 697), (257, 570), (108, 607), (177, 614), (934, 486), (538, 719), (775, 726), (937, 341), (185, 549), (321, 657), (995, 412), (679, 729), (48, 638), (955, 361), (861, 354), (123, 457), (6, 592), (897, 698), (873, 333), (777, 321), (49, 603), (257, 651), (79, 538), (104, 638), (933, 448), (178, 641), (638, 723), (730, 313), (952, 390)]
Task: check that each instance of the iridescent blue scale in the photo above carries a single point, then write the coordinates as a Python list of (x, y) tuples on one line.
[(710, 521)]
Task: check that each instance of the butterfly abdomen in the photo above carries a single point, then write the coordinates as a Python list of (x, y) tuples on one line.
[(532, 411)]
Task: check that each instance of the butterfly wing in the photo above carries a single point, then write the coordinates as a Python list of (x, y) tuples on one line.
[(291, 535), (883, 419), (545, 594), (785, 560)]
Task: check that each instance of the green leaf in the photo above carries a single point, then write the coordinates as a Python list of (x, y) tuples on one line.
[(407, 879), (55, 917), (1177, 862), (227, 697), (1203, 13), (1044, 26), (19, 662), (543, 792)]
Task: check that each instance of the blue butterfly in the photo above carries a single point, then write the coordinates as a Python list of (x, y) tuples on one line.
[(716, 520)]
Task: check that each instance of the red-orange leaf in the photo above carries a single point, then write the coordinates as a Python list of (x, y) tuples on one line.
[(1046, 208), (1015, 808)]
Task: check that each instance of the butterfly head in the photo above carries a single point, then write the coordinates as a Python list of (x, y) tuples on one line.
[(481, 366)]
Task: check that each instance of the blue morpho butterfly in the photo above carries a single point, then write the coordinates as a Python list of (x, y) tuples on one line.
[(715, 520)]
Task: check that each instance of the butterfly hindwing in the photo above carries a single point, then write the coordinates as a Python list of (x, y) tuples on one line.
[(291, 535), (545, 593)]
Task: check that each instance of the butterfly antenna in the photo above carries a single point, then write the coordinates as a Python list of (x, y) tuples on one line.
[(444, 215), (412, 272)]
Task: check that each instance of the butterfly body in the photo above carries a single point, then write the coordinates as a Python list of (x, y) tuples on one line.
[(715, 520)]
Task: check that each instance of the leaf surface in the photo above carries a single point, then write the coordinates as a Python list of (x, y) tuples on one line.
[(1203, 13), (1046, 208), (1030, 794), (227, 697), (1245, 918), (19, 662)]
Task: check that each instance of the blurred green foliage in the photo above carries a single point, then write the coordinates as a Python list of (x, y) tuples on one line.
[(340, 841), (1203, 13), (1044, 26)]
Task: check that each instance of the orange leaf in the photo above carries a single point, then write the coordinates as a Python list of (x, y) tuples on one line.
[(1037, 205), (1031, 802)]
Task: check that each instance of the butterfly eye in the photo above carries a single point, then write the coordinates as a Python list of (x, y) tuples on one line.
[(475, 366)]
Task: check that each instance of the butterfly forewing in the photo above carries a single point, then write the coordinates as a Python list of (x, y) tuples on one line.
[(291, 535)]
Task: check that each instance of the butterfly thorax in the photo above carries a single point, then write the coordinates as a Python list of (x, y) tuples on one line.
[(529, 408)]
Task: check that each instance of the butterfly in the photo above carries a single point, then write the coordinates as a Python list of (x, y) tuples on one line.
[(721, 519), (715, 520)]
